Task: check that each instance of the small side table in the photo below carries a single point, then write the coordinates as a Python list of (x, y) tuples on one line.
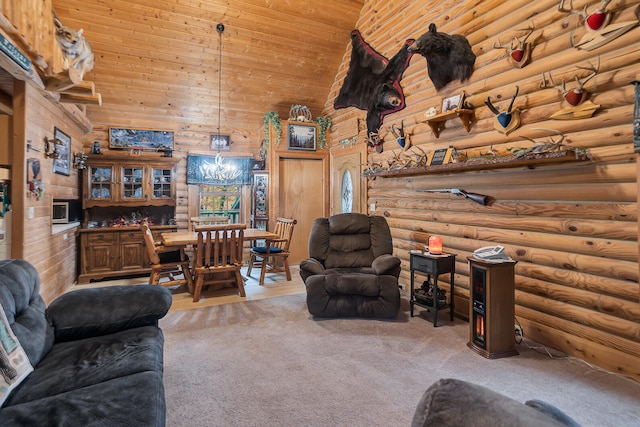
[(433, 265)]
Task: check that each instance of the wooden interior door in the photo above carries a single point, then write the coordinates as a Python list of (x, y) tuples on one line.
[(301, 197)]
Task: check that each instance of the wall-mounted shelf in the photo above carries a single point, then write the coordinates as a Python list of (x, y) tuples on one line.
[(438, 122), (485, 163)]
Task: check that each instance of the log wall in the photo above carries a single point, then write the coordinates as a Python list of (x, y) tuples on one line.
[(571, 227), (34, 115)]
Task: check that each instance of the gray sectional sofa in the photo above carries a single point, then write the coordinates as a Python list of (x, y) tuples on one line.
[(97, 353)]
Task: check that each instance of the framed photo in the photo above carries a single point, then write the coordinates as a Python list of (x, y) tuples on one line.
[(301, 137), (439, 157), (62, 164), (220, 142), (141, 139), (452, 103)]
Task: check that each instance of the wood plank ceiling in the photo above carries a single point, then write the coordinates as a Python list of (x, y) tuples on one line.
[(158, 60)]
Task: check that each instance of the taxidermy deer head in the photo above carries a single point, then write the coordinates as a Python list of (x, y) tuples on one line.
[(593, 21), (519, 50), (578, 94), (449, 57), (599, 32), (507, 121)]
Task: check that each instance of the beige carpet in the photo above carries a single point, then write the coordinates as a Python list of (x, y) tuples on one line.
[(268, 363)]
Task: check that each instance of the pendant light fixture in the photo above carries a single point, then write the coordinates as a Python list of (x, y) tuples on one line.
[(220, 170)]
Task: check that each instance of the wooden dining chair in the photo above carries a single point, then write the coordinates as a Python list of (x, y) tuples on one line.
[(275, 254), (218, 256), (169, 262), (208, 220)]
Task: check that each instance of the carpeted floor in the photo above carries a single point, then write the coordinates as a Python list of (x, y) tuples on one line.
[(269, 363)]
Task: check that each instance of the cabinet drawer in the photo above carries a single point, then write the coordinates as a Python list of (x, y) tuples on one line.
[(101, 237), (422, 264), (433, 265), (131, 235)]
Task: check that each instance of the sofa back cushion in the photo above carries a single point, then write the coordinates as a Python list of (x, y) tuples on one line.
[(349, 240), (24, 307)]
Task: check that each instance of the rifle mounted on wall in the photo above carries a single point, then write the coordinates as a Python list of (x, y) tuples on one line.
[(478, 198)]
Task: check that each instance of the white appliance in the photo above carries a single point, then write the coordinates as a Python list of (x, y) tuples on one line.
[(5, 236)]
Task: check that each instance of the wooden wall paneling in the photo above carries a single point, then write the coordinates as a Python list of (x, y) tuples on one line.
[(19, 168), (54, 255), (572, 227)]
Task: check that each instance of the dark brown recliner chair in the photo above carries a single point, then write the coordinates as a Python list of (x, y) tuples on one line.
[(351, 271)]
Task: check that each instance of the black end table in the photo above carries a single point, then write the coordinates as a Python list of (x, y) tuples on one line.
[(433, 265)]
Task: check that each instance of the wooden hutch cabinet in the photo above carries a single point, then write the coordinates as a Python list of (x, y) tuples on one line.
[(118, 192)]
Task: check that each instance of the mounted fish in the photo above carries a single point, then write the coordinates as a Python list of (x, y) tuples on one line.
[(599, 32), (373, 84), (579, 106), (449, 57), (507, 121), (518, 49)]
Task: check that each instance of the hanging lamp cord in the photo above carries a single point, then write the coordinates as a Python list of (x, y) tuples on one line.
[(220, 29)]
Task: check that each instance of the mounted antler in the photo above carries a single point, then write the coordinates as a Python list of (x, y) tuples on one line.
[(508, 121), (592, 21), (577, 95), (519, 50)]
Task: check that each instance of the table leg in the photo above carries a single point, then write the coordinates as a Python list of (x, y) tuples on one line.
[(435, 301), (411, 294), (451, 298)]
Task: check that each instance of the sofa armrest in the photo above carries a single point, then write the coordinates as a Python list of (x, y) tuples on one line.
[(452, 402), (310, 267), (387, 264), (100, 311)]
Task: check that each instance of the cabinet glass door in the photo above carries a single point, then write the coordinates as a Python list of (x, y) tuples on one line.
[(132, 183), (100, 182), (161, 180)]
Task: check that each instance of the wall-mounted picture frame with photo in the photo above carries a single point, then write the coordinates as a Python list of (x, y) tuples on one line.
[(220, 142), (140, 139), (301, 137), (62, 165), (440, 157), (452, 103)]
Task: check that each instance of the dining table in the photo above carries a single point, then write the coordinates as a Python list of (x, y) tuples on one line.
[(186, 238)]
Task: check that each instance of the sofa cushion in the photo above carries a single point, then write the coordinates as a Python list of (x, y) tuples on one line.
[(353, 295), (77, 364), (453, 403), (132, 400), (101, 311), (24, 307)]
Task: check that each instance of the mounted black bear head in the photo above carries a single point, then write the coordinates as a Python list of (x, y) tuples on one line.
[(449, 57)]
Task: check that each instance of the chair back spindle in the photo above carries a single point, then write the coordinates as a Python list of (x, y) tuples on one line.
[(218, 256), (275, 253)]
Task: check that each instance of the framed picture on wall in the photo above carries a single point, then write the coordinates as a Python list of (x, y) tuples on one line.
[(62, 164), (301, 137), (452, 103), (140, 139), (220, 142)]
